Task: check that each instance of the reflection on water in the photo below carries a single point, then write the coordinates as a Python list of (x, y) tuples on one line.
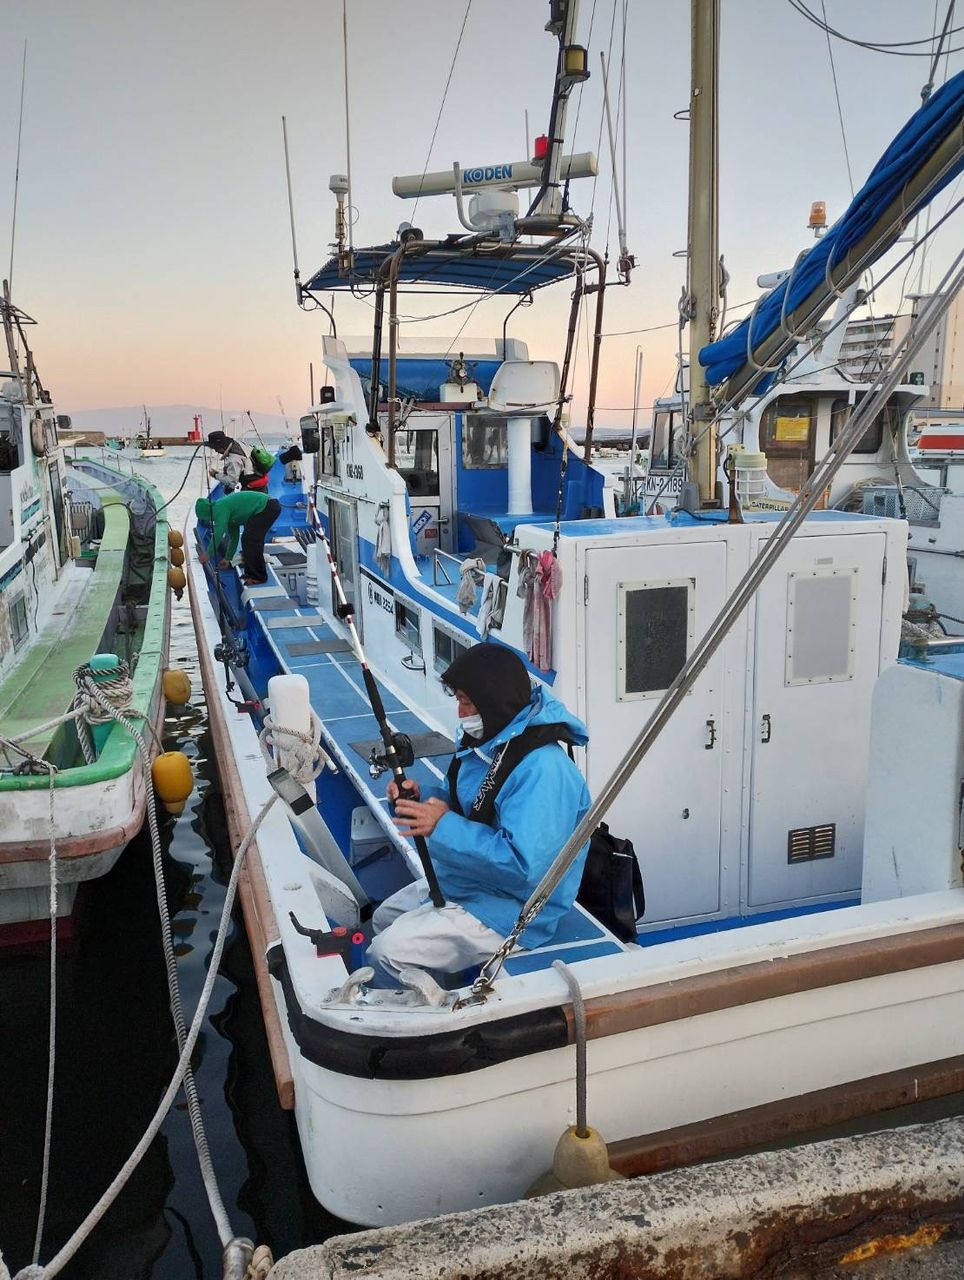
[(116, 1050)]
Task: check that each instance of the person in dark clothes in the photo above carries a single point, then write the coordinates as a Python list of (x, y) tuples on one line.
[(248, 513), (233, 461)]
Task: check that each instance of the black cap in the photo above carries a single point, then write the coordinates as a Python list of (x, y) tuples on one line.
[(218, 438), (496, 680)]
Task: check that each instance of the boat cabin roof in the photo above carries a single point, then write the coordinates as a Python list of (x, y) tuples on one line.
[(510, 269)]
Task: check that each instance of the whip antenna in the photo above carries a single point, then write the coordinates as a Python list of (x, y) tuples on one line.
[(16, 178), (291, 213)]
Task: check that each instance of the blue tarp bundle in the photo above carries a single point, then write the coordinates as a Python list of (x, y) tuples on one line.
[(908, 152)]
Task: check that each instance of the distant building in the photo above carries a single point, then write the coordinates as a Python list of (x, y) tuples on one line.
[(870, 341)]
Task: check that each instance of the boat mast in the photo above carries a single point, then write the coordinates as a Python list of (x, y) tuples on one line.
[(702, 302)]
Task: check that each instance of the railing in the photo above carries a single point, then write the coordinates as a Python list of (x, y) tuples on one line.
[(437, 556)]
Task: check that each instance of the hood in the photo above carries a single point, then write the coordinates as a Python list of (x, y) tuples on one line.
[(496, 680), (543, 708), (204, 509)]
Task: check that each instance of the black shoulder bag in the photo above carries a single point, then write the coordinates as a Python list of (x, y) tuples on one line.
[(611, 889)]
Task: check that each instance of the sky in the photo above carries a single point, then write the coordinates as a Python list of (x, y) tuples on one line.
[(152, 234)]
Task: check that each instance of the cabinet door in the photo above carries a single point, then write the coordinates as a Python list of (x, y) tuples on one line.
[(646, 609), (817, 658)]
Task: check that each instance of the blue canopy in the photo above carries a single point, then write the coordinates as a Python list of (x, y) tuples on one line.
[(420, 377), (908, 152), (512, 270)]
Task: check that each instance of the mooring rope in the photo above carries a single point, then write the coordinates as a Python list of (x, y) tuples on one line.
[(57, 1263)]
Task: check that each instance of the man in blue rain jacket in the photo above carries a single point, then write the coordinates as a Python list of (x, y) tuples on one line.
[(488, 869)]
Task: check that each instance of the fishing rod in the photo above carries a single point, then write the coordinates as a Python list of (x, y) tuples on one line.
[(183, 482), (256, 431), (392, 741)]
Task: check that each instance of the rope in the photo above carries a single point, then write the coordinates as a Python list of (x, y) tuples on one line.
[(218, 1211), (58, 1262), (579, 1018), (52, 1031), (300, 754)]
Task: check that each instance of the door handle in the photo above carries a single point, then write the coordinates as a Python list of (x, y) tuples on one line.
[(710, 735), (765, 729)]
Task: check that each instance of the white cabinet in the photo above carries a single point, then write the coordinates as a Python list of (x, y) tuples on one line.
[(647, 607), (814, 661)]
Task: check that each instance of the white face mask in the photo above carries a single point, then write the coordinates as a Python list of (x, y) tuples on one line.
[(471, 725)]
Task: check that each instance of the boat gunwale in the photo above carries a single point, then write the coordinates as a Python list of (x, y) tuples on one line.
[(119, 752), (473, 1045)]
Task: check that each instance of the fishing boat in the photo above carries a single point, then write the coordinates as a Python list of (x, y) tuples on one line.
[(750, 728), (84, 598)]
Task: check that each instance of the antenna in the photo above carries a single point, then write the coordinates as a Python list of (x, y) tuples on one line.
[(625, 261), (16, 179), (291, 213), (344, 36)]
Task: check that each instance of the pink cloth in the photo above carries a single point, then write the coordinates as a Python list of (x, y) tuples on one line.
[(543, 581)]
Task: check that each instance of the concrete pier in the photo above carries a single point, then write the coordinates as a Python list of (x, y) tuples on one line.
[(882, 1204)]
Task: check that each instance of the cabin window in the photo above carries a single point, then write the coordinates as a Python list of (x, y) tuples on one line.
[(447, 649), (485, 443), (787, 439), (873, 437), (656, 621), (416, 457), (665, 445), (822, 630), (407, 626), (18, 621), (328, 452)]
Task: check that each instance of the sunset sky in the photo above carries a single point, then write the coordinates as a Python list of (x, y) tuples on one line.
[(152, 239)]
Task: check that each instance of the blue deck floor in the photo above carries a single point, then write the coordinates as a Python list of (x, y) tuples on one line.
[(339, 699)]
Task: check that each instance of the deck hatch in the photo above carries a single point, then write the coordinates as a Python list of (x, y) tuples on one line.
[(807, 844)]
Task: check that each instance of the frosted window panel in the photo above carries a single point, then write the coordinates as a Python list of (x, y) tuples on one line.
[(820, 638)]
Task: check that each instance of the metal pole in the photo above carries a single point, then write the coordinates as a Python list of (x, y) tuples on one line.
[(703, 240), (637, 386), (596, 348)]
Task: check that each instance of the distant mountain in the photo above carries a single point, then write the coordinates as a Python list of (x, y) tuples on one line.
[(174, 420)]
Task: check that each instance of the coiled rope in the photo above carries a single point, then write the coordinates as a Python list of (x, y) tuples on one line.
[(113, 697), (301, 754)]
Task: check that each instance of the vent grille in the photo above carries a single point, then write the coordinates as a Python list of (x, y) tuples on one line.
[(807, 844)]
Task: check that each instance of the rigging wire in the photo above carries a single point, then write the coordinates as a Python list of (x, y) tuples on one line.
[(16, 177), (441, 108), (899, 48), (836, 94)]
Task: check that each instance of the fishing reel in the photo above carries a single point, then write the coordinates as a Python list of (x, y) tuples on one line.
[(232, 650), (378, 762)]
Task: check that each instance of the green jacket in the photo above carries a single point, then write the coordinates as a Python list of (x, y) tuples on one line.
[(227, 515)]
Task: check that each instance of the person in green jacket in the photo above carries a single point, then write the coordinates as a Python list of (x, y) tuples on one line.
[(256, 512)]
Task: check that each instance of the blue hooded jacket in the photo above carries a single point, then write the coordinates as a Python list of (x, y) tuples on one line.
[(492, 870)]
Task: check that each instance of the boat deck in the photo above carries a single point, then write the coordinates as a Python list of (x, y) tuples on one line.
[(307, 644), (41, 686)]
